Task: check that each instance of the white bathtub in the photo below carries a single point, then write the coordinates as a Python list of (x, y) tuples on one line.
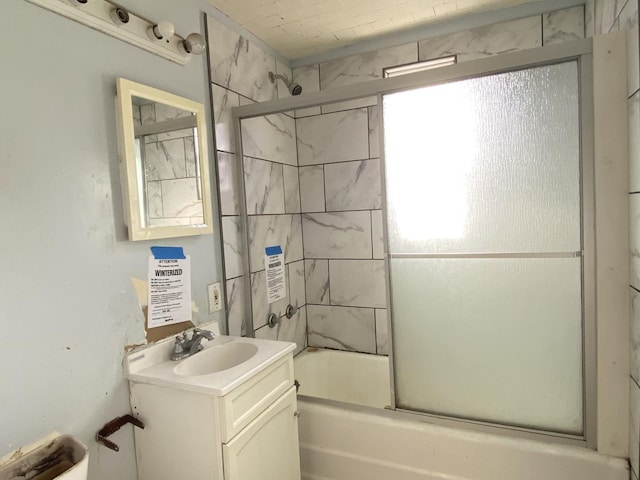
[(343, 441), (336, 375)]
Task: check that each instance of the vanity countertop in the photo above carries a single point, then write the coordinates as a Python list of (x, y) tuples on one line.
[(152, 364)]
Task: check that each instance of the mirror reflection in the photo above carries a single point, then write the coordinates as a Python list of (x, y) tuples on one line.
[(167, 155), (164, 167)]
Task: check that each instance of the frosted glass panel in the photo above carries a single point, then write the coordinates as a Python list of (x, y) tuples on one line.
[(488, 164), (497, 340)]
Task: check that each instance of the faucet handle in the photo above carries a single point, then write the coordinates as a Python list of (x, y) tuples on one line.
[(178, 346)]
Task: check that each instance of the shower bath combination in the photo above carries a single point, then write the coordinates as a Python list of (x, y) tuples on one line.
[(340, 427), (294, 88)]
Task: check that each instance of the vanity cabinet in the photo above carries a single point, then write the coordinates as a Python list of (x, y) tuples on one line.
[(250, 433), (268, 447)]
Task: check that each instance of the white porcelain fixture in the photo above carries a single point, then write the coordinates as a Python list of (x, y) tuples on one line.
[(342, 440), (330, 374), (217, 414), (216, 359), (64, 458), (222, 365)]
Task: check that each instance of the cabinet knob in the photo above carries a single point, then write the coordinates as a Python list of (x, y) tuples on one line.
[(296, 413)]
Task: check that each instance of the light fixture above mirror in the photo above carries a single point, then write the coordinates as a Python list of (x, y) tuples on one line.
[(164, 163), (112, 19)]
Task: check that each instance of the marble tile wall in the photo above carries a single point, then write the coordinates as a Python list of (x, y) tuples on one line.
[(343, 328), (238, 65), (262, 309), (353, 185), (610, 16), (531, 32), (360, 68), (485, 41), (563, 26), (271, 137), (264, 186), (223, 101), (309, 78), (341, 205), (291, 330), (268, 230), (235, 306), (357, 283), (311, 188), (239, 76), (291, 189), (317, 281), (382, 338), (295, 294), (335, 137), (227, 181)]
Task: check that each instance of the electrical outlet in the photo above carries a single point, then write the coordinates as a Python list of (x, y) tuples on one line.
[(215, 297)]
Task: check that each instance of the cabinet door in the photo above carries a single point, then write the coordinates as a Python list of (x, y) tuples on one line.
[(267, 449)]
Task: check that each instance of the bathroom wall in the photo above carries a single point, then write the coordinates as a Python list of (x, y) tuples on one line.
[(67, 305), (342, 225), (611, 16), (338, 153), (239, 75)]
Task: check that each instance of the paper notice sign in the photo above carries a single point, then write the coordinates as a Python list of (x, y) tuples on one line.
[(274, 266), (169, 290)]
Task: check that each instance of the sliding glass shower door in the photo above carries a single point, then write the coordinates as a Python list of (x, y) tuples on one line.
[(485, 248)]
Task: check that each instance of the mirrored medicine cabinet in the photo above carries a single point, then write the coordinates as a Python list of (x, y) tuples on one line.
[(163, 163)]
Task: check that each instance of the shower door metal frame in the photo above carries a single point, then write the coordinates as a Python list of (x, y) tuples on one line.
[(581, 51), (586, 254)]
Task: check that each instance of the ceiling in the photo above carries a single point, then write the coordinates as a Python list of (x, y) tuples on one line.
[(302, 28)]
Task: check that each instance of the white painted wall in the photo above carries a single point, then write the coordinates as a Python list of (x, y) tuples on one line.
[(67, 307)]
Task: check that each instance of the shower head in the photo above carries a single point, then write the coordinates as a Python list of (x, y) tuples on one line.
[(294, 88)]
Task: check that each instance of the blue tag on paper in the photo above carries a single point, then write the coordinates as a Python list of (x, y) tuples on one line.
[(167, 253), (275, 250)]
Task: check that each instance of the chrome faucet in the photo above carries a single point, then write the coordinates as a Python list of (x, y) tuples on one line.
[(185, 347)]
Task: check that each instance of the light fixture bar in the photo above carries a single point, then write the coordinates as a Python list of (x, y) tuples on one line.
[(419, 66), (97, 14)]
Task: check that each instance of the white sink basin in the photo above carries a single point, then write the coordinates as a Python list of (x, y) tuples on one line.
[(216, 359), (223, 364)]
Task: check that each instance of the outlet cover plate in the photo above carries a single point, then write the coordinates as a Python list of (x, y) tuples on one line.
[(214, 295)]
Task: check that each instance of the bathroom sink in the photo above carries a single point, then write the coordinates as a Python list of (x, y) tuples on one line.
[(224, 363), (216, 359)]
